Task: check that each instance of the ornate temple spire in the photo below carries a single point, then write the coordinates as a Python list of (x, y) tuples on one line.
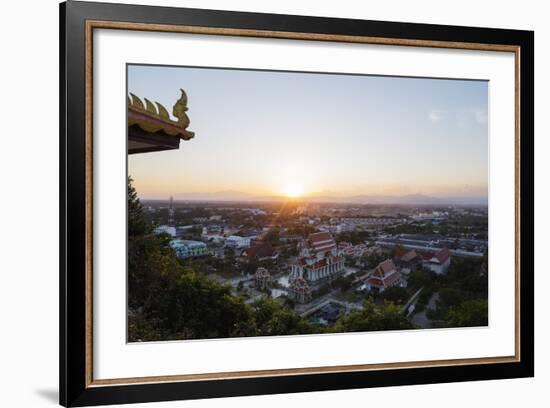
[(179, 110)]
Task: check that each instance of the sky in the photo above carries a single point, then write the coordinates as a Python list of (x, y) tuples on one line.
[(273, 133)]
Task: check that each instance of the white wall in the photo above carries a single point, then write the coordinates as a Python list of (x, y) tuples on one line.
[(28, 196)]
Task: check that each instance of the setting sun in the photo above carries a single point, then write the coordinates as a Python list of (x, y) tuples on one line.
[(293, 189)]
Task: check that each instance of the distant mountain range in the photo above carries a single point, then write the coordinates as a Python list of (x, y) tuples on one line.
[(409, 199)]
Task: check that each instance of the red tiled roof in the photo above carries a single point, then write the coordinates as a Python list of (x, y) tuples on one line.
[(392, 278), (443, 255), (439, 257), (384, 281), (427, 255), (409, 256), (319, 237), (400, 251), (320, 263), (321, 241), (384, 267), (260, 251)]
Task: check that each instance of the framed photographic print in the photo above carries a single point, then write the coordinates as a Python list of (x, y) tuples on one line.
[(255, 203)]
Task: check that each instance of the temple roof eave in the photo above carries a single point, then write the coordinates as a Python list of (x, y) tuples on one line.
[(150, 128)]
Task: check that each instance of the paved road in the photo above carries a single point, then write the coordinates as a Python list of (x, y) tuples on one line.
[(420, 319)]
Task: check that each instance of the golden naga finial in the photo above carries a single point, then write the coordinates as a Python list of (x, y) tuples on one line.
[(157, 110), (179, 110)]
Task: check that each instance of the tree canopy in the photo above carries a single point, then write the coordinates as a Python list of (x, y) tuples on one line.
[(387, 316)]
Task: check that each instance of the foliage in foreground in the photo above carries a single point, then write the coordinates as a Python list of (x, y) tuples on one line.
[(373, 317), (168, 300)]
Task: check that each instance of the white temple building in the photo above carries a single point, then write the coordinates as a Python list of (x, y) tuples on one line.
[(318, 260)]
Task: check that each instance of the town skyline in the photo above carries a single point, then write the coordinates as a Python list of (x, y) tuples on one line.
[(300, 135), (323, 198)]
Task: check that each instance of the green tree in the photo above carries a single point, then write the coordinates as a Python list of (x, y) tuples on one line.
[(149, 256), (354, 237), (422, 278), (138, 224), (373, 317), (270, 318), (167, 300), (272, 236), (192, 306), (469, 314), (344, 283), (372, 260), (397, 249), (396, 294), (451, 297)]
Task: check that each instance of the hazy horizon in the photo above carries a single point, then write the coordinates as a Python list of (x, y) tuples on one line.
[(238, 196), (277, 134)]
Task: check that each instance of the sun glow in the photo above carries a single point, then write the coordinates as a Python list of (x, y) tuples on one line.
[(293, 189)]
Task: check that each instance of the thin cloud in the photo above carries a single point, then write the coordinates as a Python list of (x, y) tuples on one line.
[(464, 117), (435, 115)]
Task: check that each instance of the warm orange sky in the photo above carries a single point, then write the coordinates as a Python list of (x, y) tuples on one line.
[(272, 133)]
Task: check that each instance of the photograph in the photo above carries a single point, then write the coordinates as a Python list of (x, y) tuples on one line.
[(277, 203), (255, 203)]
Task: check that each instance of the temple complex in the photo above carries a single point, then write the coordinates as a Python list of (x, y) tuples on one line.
[(318, 259)]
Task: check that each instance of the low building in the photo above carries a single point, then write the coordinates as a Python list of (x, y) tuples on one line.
[(217, 252), (408, 260), (188, 249), (345, 249), (261, 251), (384, 276), (289, 238), (354, 251), (359, 250), (166, 229), (365, 222), (212, 233), (184, 230), (299, 290), (262, 279), (255, 211), (237, 242), (372, 250), (439, 261)]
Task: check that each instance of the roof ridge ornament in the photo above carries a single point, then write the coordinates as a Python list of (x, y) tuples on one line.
[(163, 113), (136, 102), (179, 110), (153, 117), (149, 107)]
